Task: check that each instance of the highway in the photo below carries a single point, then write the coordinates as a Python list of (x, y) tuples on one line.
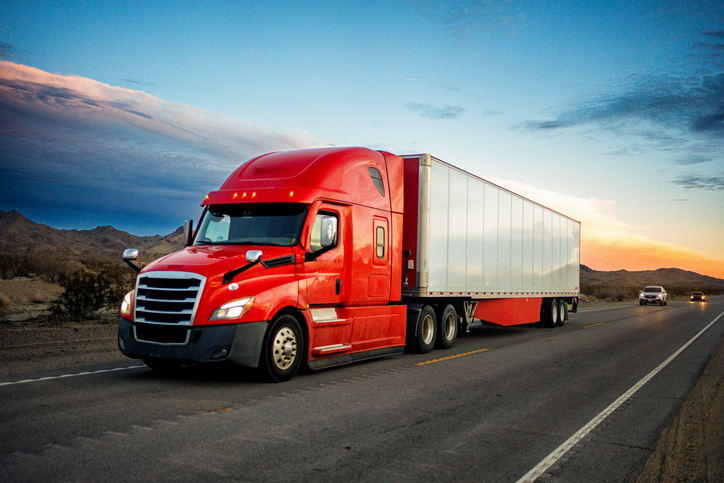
[(494, 408)]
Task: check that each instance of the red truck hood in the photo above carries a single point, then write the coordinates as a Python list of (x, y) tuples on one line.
[(214, 260)]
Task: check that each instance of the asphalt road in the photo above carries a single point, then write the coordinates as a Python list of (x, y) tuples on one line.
[(491, 409)]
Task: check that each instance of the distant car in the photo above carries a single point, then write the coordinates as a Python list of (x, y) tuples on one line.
[(654, 294), (698, 296)]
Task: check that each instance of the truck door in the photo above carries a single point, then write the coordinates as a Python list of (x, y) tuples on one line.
[(324, 271), (331, 328)]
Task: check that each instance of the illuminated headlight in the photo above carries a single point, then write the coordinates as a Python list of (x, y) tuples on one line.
[(127, 304), (233, 310), (659, 296)]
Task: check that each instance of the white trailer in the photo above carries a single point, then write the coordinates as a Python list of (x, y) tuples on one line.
[(485, 250)]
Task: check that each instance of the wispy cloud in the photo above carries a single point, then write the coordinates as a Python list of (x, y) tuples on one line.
[(608, 243), (436, 112), (709, 183), (7, 51), (462, 17), (137, 81), (680, 111), (78, 146)]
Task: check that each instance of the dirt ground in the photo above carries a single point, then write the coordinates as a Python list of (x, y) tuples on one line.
[(690, 450)]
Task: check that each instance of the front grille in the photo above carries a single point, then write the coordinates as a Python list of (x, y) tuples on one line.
[(168, 297)]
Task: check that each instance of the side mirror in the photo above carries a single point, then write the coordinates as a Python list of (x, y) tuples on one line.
[(129, 255), (329, 231), (188, 233), (253, 256)]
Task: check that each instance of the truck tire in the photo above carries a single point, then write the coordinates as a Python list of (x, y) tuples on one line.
[(162, 364), (550, 313), (283, 349), (562, 313), (426, 331), (447, 328)]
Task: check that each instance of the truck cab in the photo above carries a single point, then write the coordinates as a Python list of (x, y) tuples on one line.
[(296, 260)]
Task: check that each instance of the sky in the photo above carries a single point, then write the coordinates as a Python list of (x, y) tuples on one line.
[(128, 113)]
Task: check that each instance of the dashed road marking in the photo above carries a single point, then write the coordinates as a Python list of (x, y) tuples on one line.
[(451, 357), (76, 374)]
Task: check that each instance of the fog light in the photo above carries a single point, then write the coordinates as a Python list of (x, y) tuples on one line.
[(220, 353), (121, 344)]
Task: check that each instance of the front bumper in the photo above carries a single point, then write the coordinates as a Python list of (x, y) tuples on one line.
[(237, 343)]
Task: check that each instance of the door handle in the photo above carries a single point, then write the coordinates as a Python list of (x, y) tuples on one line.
[(339, 285)]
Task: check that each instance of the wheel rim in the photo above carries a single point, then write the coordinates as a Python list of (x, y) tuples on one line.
[(428, 329), (449, 327), (284, 349), (554, 312)]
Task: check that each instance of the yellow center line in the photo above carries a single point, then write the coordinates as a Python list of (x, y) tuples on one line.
[(451, 357), (594, 325)]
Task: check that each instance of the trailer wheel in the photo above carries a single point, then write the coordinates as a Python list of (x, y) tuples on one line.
[(283, 349), (550, 313), (426, 330), (447, 328), (162, 364), (562, 312)]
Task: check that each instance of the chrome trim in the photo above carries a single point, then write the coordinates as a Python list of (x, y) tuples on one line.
[(169, 275)]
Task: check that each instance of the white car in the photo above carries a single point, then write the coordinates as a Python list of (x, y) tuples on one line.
[(654, 294)]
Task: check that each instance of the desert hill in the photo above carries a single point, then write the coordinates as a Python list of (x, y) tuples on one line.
[(662, 276), (20, 236)]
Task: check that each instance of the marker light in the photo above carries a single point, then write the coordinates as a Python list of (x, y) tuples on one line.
[(253, 195), (235, 196), (233, 310), (291, 193)]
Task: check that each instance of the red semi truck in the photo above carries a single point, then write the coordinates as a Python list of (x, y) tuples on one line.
[(329, 256)]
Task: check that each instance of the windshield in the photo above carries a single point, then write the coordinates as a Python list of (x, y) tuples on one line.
[(277, 224), (652, 289)]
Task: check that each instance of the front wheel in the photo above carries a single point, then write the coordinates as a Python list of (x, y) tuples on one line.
[(283, 349)]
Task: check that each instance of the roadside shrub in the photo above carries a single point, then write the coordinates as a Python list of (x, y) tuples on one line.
[(84, 295), (122, 280), (4, 304)]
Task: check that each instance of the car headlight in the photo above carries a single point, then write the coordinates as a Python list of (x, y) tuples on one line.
[(233, 310), (127, 304)]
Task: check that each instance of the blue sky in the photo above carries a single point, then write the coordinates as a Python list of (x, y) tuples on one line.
[(127, 113)]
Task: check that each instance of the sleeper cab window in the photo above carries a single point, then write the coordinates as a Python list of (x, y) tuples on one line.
[(380, 242), (377, 180)]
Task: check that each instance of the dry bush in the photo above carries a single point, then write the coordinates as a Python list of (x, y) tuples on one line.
[(4, 304)]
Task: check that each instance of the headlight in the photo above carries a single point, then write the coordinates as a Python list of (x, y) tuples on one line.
[(127, 304), (659, 295), (233, 310)]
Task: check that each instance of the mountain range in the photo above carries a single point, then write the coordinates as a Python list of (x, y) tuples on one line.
[(21, 236)]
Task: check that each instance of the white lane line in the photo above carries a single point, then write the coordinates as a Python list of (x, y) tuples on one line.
[(50, 378), (552, 458)]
